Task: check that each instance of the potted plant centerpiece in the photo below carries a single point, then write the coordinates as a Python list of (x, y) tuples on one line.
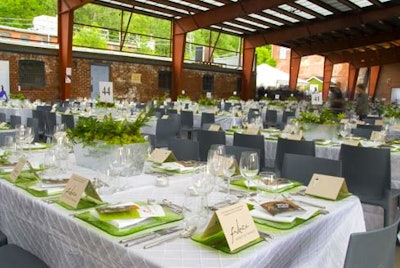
[(319, 124), (96, 140)]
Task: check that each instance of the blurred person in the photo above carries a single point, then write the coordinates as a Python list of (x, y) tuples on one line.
[(336, 100), (362, 104)]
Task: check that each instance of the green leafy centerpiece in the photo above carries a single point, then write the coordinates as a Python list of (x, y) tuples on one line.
[(319, 124), (96, 141)]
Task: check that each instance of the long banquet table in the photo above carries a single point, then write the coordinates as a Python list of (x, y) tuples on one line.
[(53, 234)]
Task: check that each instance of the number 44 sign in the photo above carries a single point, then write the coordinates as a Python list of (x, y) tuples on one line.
[(106, 91)]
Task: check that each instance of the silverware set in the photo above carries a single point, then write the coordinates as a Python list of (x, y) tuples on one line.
[(128, 242)]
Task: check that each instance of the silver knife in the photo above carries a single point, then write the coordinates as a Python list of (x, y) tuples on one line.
[(148, 236)]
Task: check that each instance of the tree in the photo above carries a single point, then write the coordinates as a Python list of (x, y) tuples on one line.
[(264, 55), (90, 37), (19, 13)]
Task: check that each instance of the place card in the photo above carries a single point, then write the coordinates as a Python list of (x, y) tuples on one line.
[(76, 186), (165, 116), (344, 121), (214, 127), (329, 187), (236, 223), (18, 169), (160, 156), (253, 130), (351, 142), (377, 136), (378, 122)]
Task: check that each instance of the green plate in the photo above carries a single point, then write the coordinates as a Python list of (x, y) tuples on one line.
[(26, 176), (115, 231), (218, 241), (241, 183)]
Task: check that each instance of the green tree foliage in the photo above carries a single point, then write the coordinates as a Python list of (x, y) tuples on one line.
[(90, 37), (19, 13), (264, 55)]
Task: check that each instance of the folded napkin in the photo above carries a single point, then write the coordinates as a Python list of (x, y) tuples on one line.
[(48, 190), (177, 167)]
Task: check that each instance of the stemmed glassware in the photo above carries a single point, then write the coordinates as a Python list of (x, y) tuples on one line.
[(228, 171), (214, 161), (249, 166)]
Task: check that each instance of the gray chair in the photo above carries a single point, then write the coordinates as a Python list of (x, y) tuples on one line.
[(206, 138), (15, 120), (372, 249), (285, 146), (39, 114), (271, 118), (50, 123), (238, 150), (165, 130), (16, 257), (34, 124), (3, 239), (2, 117), (184, 149), (362, 132), (371, 127), (302, 167), (68, 120), (368, 175), (251, 141), (207, 118)]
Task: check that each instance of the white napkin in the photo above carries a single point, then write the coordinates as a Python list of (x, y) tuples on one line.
[(175, 166), (48, 190)]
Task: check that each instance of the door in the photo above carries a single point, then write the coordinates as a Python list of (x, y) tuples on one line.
[(98, 73)]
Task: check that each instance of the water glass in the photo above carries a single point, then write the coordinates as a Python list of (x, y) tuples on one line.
[(194, 211), (270, 180), (249, 166)]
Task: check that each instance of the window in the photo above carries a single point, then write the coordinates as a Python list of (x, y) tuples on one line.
[(238, 86), (208, 83), (31, 73), (164, 80), (6, 35), (282, 53), (25, 37)]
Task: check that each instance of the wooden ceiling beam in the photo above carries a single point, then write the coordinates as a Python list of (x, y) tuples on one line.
[(69, 5), (320, 27), (367, 58), (224, 13), (346, 43)]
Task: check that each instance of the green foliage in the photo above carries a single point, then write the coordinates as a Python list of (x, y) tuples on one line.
[(207, 102), (390, 111), (277, 103), (326, 117), (183, 97), (236, 98), (264, 55), (101, 104), (19, 13), (89, 130), (90, 37), (17, 96)]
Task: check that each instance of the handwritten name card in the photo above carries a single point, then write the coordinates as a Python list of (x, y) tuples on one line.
[(76, 186), (18, 169), (236, 223), (214, 127)]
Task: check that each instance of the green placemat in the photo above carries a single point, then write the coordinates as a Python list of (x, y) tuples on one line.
[(26, 186), (42, 147), (146, 224), (84, 203), (218, 241), (26, 176), (242, 183), (283, 225)]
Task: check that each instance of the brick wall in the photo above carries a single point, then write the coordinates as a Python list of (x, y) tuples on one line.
[(121, 69), (389, 78)]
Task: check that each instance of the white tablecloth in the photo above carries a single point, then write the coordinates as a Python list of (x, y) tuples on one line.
[(61, 240)]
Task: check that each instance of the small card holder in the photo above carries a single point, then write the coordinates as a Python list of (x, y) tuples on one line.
[(329, 187)]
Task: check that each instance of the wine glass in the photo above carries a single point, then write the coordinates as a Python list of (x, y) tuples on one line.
[(229, 168), (118, 164), (249, 166), (203, 184), (214, 157)]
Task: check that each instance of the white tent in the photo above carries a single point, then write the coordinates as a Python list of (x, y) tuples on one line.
[(268, 76)]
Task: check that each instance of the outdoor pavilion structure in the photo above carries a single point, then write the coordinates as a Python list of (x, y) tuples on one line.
[(363, 33)]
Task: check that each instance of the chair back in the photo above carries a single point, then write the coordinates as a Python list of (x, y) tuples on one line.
[(176, 122), (184, 149), (15, 120), (207, 118), (206, 138), (366, 170), (362, 132), (293, 147), (187, 119), (286, 115), (3, 117), (371, 127), (50, 123), (373, 249), (271, 118), (34, 124), (39, 114), (227, 106), (68, 120), (164, 131), (251, 141), (237, 151), (302, 167)]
